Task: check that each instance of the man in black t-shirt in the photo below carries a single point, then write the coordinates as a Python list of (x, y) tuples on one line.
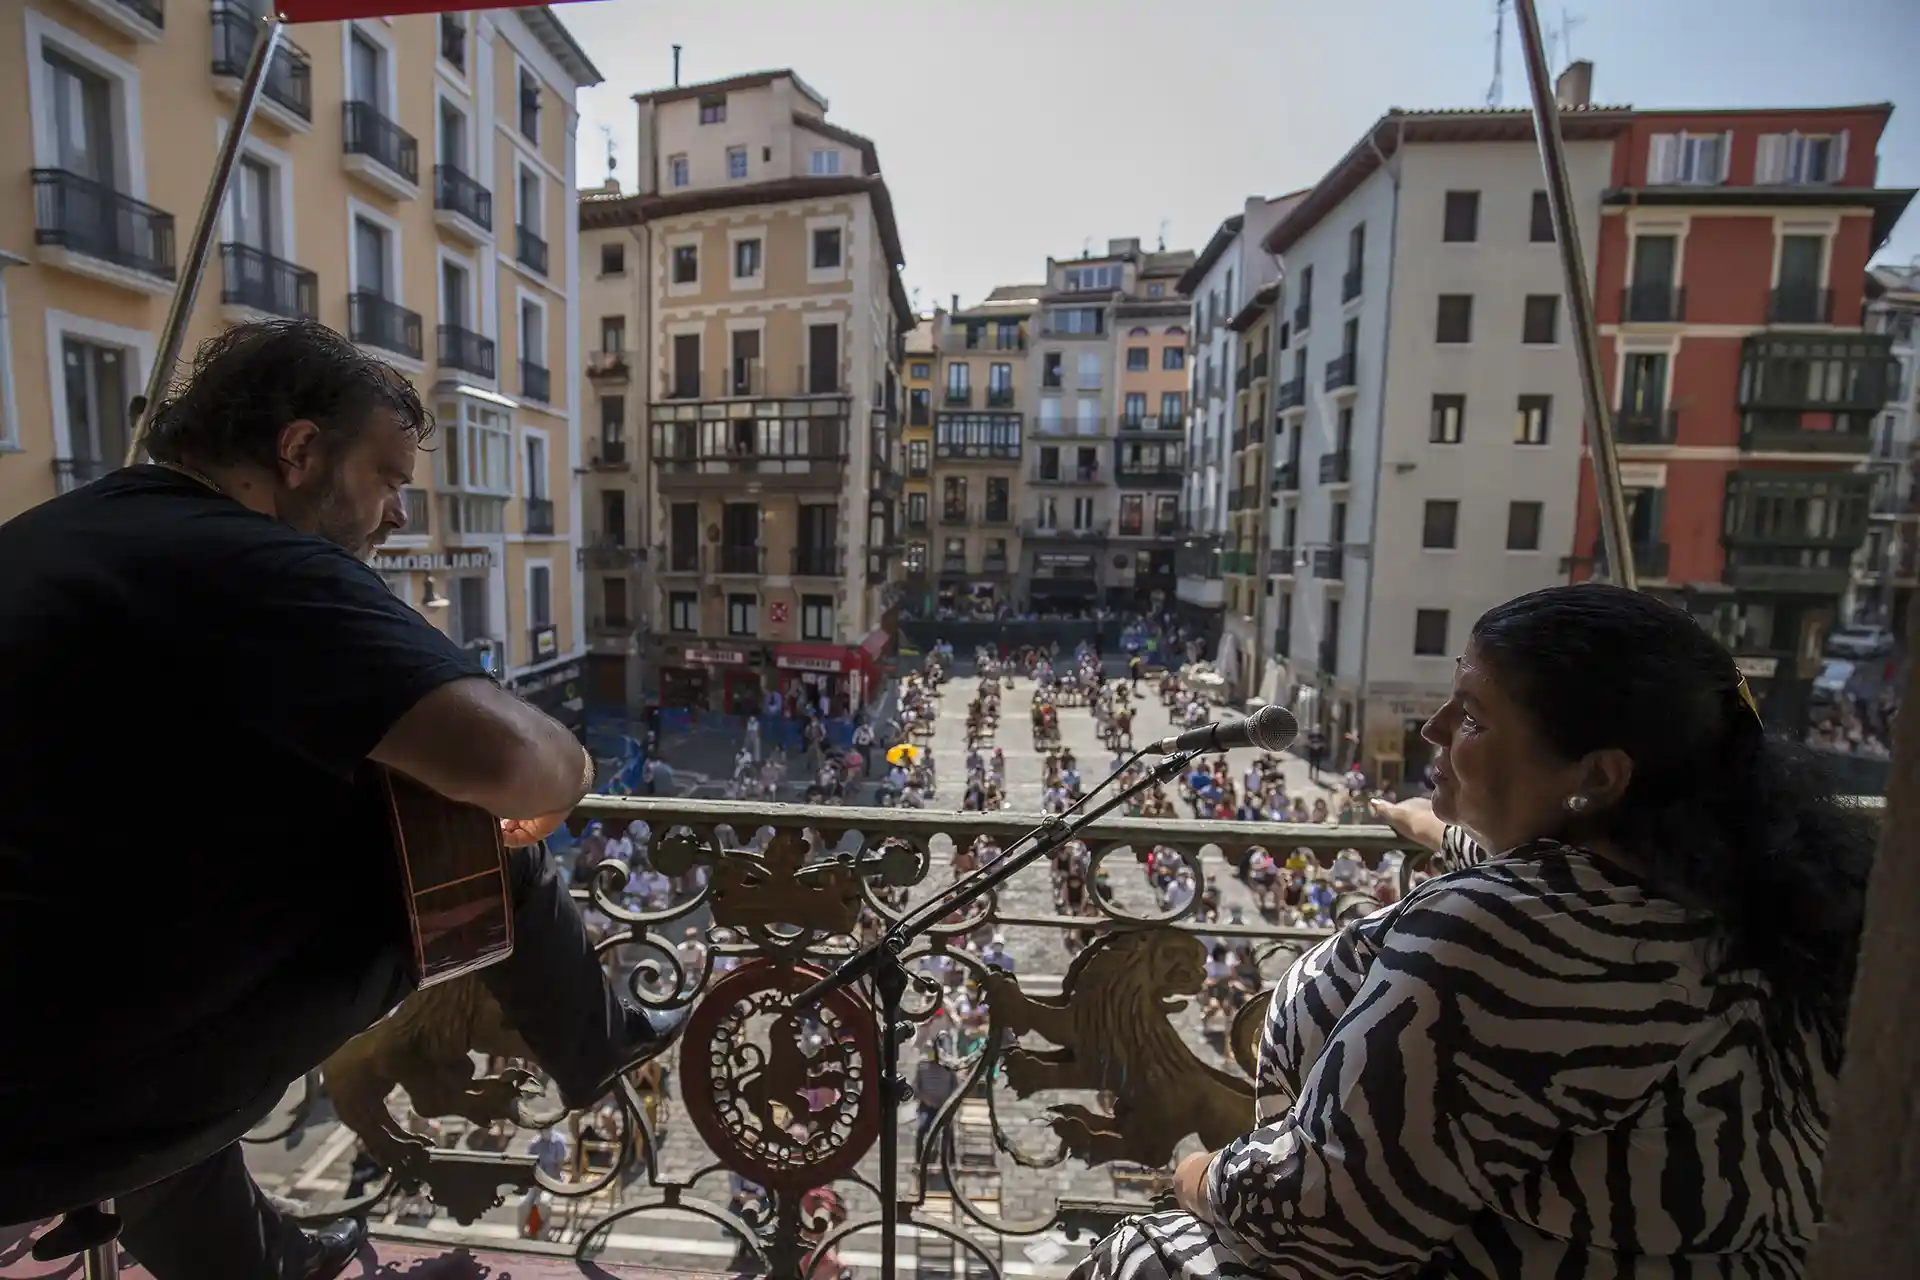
[(199, 650)]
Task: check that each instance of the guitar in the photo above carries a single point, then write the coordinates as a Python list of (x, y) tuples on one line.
[(453, 874)]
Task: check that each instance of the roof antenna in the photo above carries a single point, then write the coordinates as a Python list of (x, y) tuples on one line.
[(613, 180), (1163, 235), (676, 66)]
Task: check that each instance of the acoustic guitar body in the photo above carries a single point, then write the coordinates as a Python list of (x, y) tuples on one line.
[(453, 872)]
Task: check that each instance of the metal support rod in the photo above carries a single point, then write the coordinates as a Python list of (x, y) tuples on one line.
[(102, 1261), (1586, 334), (167, 350)]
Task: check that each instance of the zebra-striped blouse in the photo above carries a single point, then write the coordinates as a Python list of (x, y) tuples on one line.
[(1523, 1071)]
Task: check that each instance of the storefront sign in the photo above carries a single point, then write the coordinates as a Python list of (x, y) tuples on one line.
[(1643, 475), (432, 561), (561, 693), (1064, 560), (546, 643), (833, 665), (1757, 668), (717, 657)]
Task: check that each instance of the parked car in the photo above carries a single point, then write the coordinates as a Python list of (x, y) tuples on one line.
[(1860, 642), (1831, 684)]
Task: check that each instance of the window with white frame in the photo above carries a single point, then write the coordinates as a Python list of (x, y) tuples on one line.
[(536, 477), (533, 333), (713, 109), (816, 617), (824, 163), (477, 455), (1092, 279), (736, 163), (1083, 513), (86, 142), (746, 258), (374, 270), (1801, 159), (679, 174), (1087, 416), (1688, 159), (367, 71), (539, 596), (826, 249), (97, 378), (683, 612), (530, 203), (529, 105), (1088, 373), (743, 615)]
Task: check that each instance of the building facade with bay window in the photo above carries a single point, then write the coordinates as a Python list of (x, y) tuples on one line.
[(770, 338), (433, 224), (1729, 287)]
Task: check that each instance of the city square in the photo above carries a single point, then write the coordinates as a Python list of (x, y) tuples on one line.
[(605, 550)]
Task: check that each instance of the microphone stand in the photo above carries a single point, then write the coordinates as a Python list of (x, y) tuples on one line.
[(882, 963)]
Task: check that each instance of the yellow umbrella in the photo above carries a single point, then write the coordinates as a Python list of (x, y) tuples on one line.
[(904, 754)]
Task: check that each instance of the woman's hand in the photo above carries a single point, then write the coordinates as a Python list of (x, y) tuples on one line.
[(1413, 820), (519, 832), (1190, 1185)]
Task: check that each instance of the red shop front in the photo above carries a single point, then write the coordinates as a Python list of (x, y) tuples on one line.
[(829, 671), (707, 673)]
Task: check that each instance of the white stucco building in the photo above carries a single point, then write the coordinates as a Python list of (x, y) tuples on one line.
[(1887, 566), (1429, 414), (1231, 269)]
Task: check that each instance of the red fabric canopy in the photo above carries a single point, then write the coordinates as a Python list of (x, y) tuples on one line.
[(341, 10)]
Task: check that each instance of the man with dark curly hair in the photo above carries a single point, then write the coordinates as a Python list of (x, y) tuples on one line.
[(199, 648)]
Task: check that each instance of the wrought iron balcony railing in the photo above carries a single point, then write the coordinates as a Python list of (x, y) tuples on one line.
[(1653, 303), (290, 78), (768, 890), (371, 134), (466, 350), (257, 280), (457, 192), (375, 321), (819, 562), (540, 516), (536, 381), (530, 251), (93, 220)]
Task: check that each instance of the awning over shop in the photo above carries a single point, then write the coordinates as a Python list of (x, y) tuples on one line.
[(815, 657)]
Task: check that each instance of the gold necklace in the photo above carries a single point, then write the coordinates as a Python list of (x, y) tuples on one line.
[(191, 474)]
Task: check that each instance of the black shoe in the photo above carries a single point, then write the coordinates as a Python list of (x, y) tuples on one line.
[(650, 1033), (330, 1248)]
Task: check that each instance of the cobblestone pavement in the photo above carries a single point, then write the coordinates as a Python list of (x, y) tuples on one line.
[(314, 1167)]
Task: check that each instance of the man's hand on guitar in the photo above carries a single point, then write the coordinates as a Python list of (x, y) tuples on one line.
[(517, 832)]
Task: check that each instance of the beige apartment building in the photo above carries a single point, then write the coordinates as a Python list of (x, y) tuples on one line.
[(769, 350), (921, 379), (408, 181), (980, 412), (1095, 313)]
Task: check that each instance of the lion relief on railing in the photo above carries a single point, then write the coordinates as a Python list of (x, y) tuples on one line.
[(1111, 1023)]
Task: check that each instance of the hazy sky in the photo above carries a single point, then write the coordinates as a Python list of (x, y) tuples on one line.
[(1013, 129)]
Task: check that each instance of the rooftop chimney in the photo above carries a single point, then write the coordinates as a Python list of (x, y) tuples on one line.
[(1574, 88), (956, 302), (1121, 248)]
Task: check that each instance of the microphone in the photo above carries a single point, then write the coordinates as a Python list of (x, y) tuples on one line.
[(1271, 728)]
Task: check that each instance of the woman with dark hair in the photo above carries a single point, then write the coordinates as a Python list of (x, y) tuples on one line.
[(1603, 1041)]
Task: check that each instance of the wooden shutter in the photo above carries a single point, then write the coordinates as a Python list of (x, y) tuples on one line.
[(1662, 158), (1837, 172), (1770, 164), (1726, 155)]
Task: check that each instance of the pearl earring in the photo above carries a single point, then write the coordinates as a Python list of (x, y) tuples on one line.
[(1577, 804)]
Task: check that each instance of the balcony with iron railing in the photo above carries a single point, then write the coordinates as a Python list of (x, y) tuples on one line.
[(738, 558), (1342, 372), (1302, 313), (1351, 282), (1243, 377), (465, 350), (681, 557), (994, 563), (960, 339), (1336, 468), (1653, 303), (536, 381), (462, 198), (529, 250), (453, 41), (994, 513), (1096, 531), (70, 473), (1259, 365), (953, 563), (1064, 473), (90, 229), (1291, 395), (1286, 478), (1148, 475), (539, 519), (608, 453), (1330, 563), (957, 397), (999, 397), (253, 280), (374, 321), (1649, 559), (819, 561), (142, 20), (610, 366), (1800, 304), (379, 150), (609, 552), (689, 458), (969, 449), (288, 91), (1652, 424)]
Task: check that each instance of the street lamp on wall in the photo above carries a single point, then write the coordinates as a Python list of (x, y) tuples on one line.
[(433, 599)]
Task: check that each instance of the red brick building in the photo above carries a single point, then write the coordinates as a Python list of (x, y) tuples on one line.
[(1728, 285)]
